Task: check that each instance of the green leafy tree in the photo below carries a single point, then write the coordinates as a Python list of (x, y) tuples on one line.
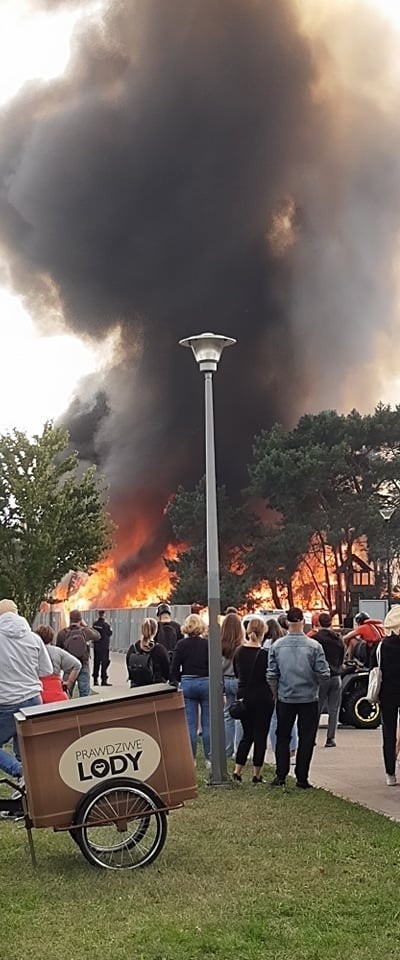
[(333, 473), (187, 515), (53, 517)]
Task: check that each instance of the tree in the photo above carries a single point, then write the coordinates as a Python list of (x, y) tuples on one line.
[(277, 552), (52, 517), (333, 473), (187, 515)]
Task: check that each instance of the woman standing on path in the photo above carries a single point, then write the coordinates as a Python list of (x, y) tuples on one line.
[(190, 668), (250, 665), (389, 657), (232, 636)]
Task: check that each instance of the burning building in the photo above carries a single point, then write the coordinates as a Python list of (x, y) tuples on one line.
[(229, 163)]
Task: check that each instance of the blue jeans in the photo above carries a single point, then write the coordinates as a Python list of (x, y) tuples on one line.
[(233, 728), (272, 734), (83, 681), (195, 693), (10, 764)]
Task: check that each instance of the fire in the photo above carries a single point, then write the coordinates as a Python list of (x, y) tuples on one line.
[(104, 589)]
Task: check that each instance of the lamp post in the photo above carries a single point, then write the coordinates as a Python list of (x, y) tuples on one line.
[(386, 514), (207, 349)]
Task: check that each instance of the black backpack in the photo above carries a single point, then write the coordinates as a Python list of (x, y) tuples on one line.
[(167, 635), (140, 668)]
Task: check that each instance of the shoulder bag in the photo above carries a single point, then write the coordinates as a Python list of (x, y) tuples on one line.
[(238, 709), (375, 679)]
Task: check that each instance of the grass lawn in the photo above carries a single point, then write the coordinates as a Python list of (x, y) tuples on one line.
[(246, 873)]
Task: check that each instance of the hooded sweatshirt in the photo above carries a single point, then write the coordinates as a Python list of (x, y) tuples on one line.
[(23, 659)]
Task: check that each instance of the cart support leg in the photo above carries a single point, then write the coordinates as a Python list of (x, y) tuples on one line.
[(29, 833)]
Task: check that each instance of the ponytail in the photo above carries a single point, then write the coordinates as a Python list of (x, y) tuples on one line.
[(149, 628)]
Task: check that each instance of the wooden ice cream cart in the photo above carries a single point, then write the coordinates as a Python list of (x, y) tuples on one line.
[(108, 771)]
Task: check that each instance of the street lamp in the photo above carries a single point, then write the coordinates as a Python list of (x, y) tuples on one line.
[(386, 514), (207, 349)]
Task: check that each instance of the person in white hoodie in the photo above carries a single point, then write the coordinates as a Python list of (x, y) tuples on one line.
[(23, 660)]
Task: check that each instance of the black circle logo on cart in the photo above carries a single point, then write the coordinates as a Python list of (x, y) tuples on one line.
[(104, 754)]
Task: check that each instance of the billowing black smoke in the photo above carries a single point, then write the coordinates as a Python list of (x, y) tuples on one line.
[(138, 192)]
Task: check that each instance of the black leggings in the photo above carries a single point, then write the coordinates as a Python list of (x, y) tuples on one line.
[(390, 713), (255, 730)]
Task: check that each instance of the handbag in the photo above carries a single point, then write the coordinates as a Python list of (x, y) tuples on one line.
[(375, 679), (238, 709)]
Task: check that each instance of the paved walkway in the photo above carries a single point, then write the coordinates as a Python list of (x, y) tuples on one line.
[(353, 769)]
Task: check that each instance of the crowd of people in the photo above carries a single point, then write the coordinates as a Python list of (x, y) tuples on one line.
[(277, 679)]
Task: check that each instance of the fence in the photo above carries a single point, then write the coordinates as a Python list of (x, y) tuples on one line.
[(125, 624)]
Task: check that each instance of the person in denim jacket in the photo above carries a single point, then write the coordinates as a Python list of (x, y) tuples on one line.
[(296, 667)]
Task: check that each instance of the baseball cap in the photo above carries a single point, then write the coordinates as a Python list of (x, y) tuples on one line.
[(163, 608), (295, 615)]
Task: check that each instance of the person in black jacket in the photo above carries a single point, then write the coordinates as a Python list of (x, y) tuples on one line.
[(190, 668), (147, 661), (250, 666), (388, 652), (330, 690), (169, 631), (101, 650)]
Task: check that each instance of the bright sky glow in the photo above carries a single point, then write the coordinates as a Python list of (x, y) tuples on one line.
[(389, 9), (32, 45), (38, 374)]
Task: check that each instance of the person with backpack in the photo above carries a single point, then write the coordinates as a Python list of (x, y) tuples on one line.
[(168, 631), (76, 639), (146, 660)]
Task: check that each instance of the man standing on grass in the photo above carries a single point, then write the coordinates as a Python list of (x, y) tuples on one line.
[(23, 660), (296, 667)]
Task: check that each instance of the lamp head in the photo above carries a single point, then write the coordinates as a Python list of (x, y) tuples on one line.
[(207, 349)]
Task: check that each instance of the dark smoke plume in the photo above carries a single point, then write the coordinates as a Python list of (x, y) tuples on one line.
[(191, 172)]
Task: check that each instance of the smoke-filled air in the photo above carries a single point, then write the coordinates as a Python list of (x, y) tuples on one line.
[(227, 165)]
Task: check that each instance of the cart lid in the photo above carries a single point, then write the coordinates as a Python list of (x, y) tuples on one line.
[(81, 703)]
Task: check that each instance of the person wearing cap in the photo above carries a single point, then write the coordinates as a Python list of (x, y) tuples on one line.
[(296, 667), (23, 660), (169, 631), (101, 650), (388, 652)]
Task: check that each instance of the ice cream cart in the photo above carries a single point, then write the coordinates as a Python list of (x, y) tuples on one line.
[(108, 771)]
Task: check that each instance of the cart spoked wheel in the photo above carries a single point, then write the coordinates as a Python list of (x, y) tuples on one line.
[(121, 825)]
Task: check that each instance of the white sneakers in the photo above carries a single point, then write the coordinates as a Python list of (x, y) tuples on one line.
[(391, 780)]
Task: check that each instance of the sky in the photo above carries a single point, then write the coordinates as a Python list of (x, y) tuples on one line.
[(34, 45), (37, 45)]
